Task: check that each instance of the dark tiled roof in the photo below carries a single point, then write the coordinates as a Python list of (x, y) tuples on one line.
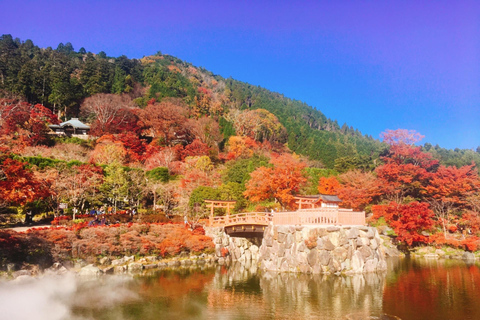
[(323, 197), (330, 198), (74, 122)]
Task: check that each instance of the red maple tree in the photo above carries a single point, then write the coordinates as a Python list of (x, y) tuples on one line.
[(281, 182)]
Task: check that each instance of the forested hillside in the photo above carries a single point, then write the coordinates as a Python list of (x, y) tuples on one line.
[(62, 78), (166, 135)]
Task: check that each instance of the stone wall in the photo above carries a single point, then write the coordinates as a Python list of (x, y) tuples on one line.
[(312, 249), (229, 249)]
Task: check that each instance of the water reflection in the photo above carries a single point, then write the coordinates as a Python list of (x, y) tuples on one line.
[(409, 290), (287, 295), (433, 289)]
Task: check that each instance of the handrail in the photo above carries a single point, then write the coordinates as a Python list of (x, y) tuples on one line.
[(318, 216)]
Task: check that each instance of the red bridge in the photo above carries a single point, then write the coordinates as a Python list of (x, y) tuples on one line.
[(252, 224), (312, 210)]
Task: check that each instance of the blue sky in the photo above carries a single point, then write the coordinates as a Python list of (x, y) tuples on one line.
[(375, 65)]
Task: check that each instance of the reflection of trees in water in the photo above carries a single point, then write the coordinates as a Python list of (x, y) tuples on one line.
[(326, 296), (292, 295), (433, 289)]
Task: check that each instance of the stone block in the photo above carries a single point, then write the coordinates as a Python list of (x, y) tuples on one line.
[(366, 252), (334, 238), (358, 262), (109, 270), (119, 269), (353, 233), (312, 257), (90, 270), (268, 241), (468, 256), (320, 244), (328, 245), (281, 250), (176, 263), (371, 233), (370, 265), (317, 269), (333, 229), (289, 240), (135, 267), (104, 261), (340, 254), (322, 232), (324, 257), (282, 229), (129, 259), (301, 247)]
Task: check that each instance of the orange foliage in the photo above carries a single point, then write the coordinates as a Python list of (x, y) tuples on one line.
[(328, 185), (108, 150), (18, 185), (407, 220), (133, 238), (470, 243), (357, 189), (241, 147), (452, 184), (164, 119), (281, 182)]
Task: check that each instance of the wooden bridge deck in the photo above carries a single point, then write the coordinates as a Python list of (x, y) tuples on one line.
[(254, 223)]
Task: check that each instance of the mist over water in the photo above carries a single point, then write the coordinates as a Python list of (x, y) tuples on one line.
[(55, 297)]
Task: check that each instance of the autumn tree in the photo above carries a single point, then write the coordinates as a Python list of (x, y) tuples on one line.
[(259, 124), (115, 185), (165, 120), (205, 129), (24, 122), (161, 158), (282, 181), (108, 150), (409, 221), (241, 147), (136, 186), (406, 168), (155, 179), (328, 185), (358, 189), (134, 146), (109, 112), (196, 148), (449, 189), (78, 185), (167, 197), (18, 185)]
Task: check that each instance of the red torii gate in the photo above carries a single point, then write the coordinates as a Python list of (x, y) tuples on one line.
[(212, 204)]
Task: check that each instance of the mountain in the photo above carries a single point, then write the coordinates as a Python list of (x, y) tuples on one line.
[(62, 78)]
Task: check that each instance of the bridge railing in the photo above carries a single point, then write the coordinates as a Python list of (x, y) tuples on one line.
[(317, 216), (323, 216), (241, 218)]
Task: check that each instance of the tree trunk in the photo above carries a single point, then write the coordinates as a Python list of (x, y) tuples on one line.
[(154, 200)]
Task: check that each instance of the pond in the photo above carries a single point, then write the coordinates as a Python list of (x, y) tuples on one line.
[(410, 289)]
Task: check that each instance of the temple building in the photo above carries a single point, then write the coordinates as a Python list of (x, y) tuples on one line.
[(317, 201), (72, 127)]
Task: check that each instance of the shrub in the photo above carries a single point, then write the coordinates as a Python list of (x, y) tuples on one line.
[(79, 241)]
